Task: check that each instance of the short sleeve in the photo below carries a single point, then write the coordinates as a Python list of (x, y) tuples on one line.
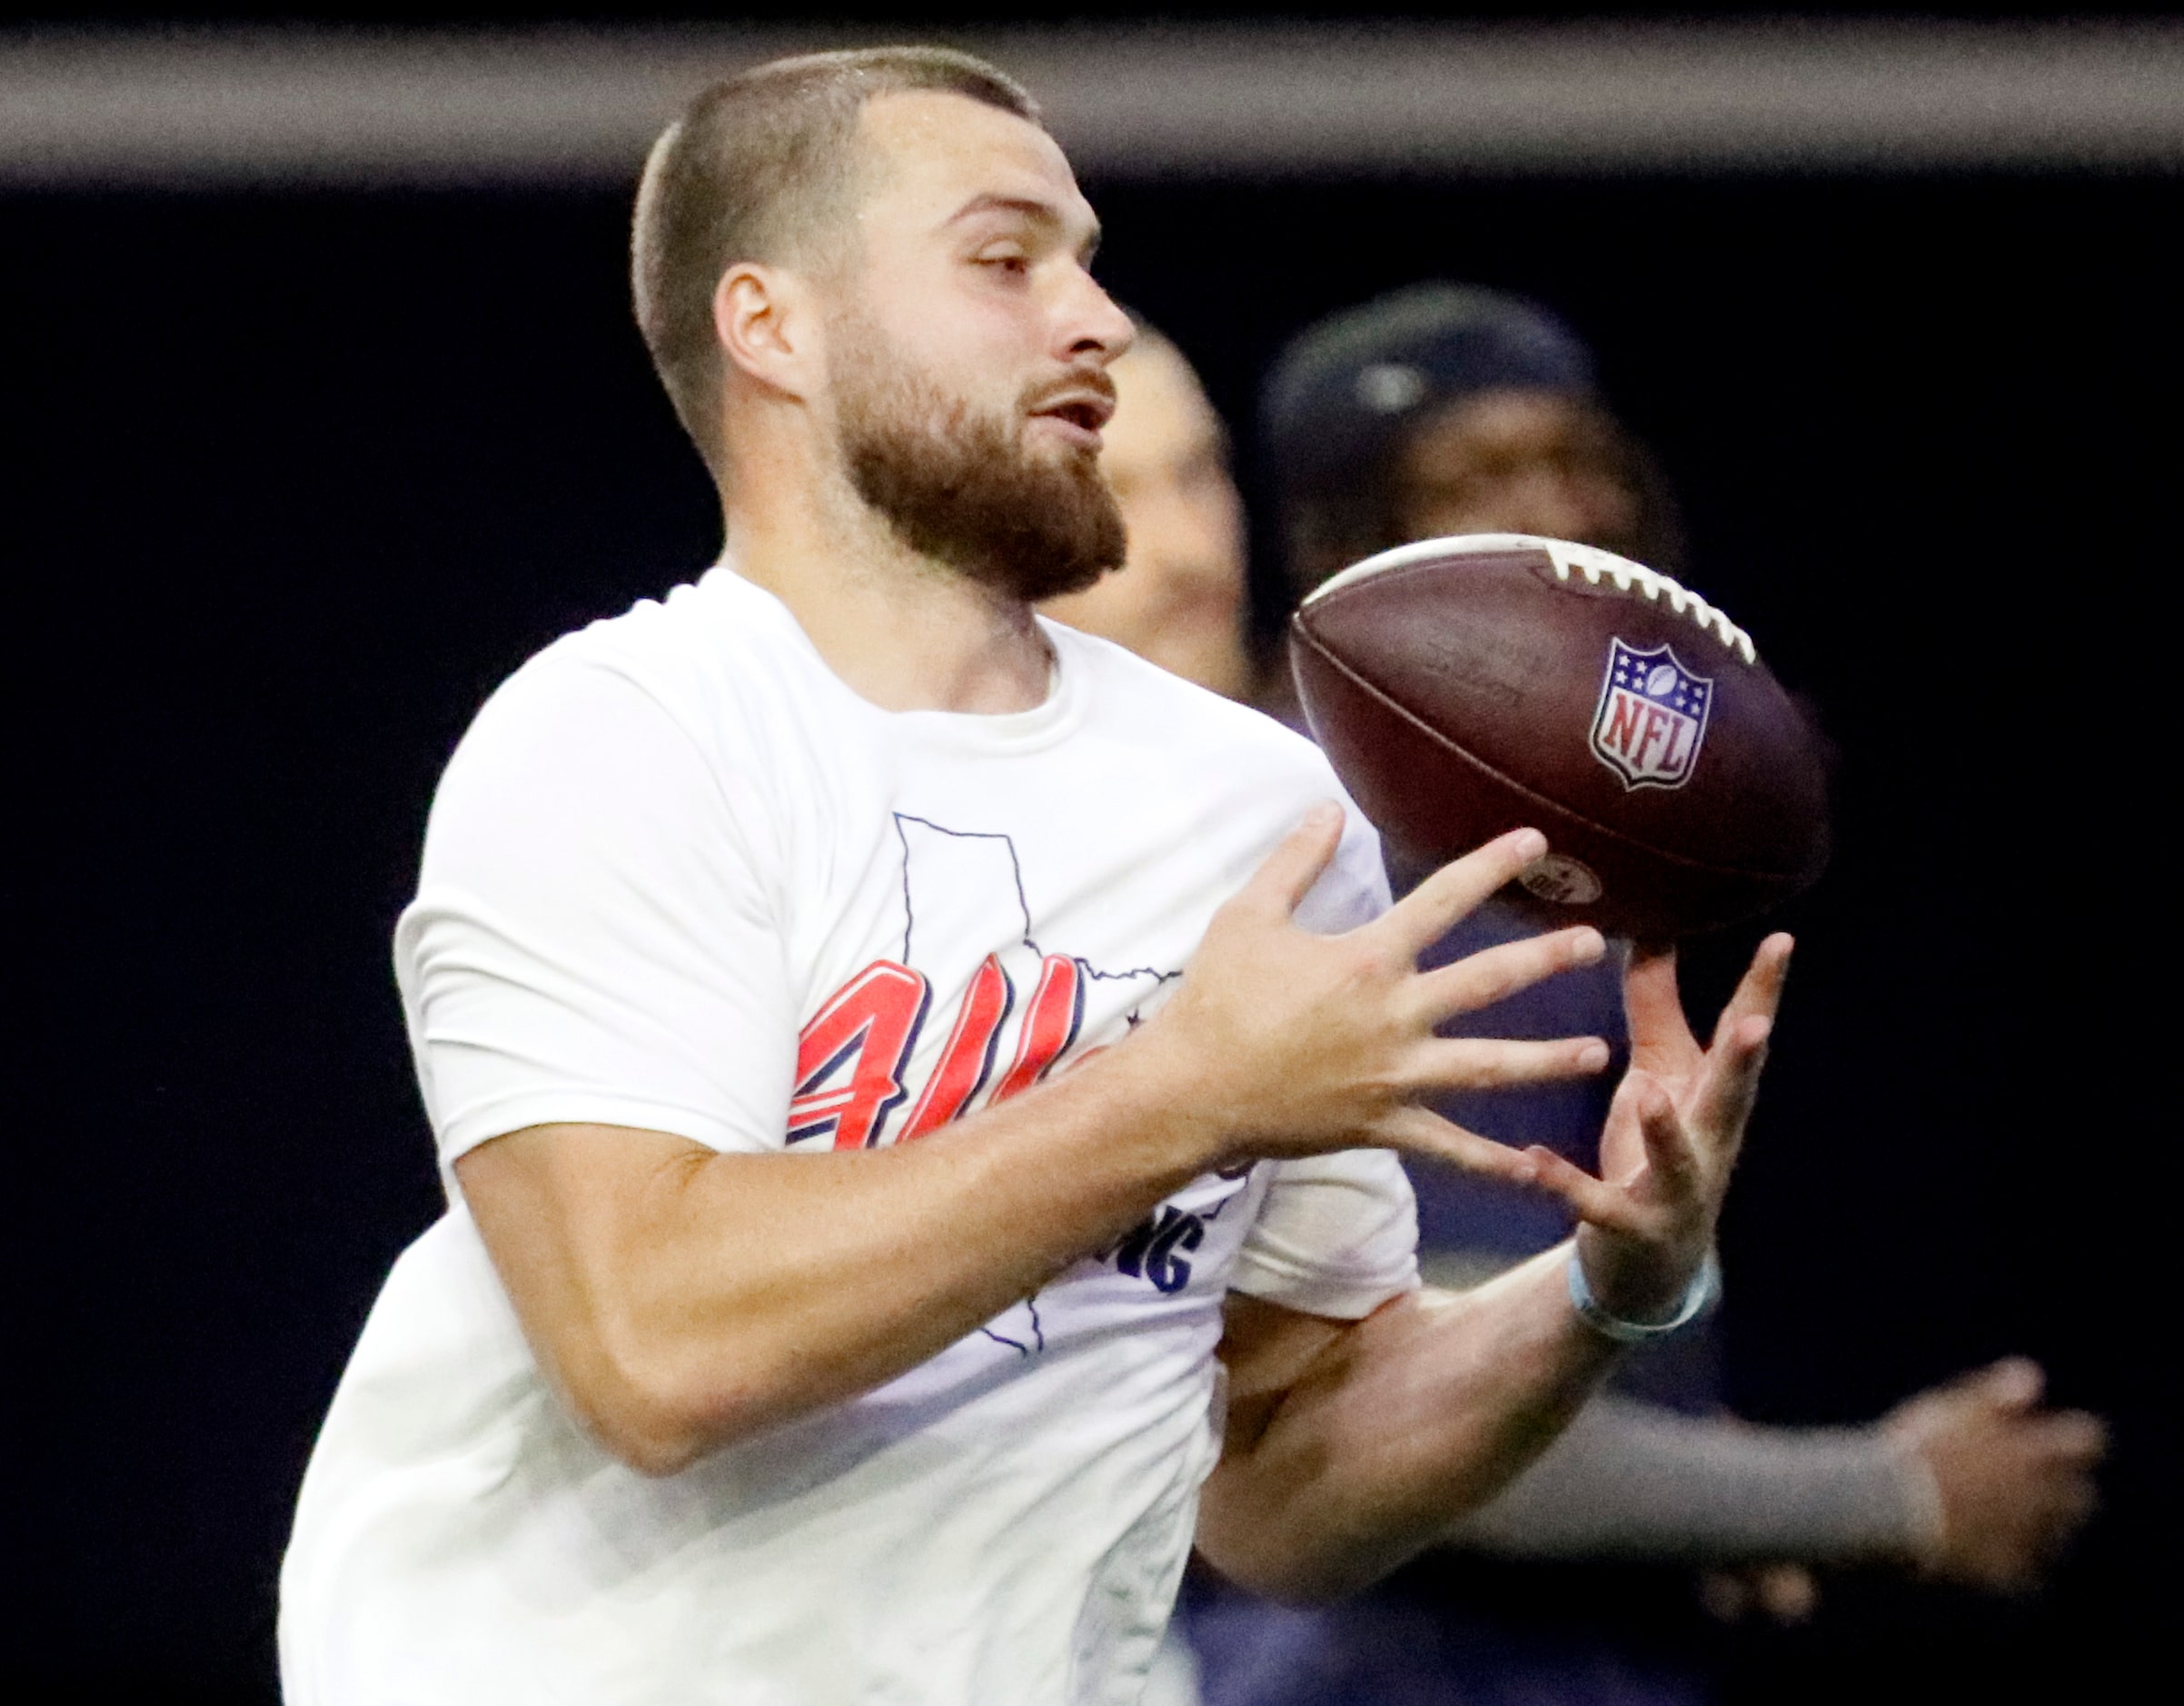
[(1335, 1236), (592, 940)]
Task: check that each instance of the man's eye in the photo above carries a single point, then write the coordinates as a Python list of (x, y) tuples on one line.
[(1007, 260)]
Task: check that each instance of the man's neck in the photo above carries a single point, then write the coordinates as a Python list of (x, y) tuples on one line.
[(902, 631)]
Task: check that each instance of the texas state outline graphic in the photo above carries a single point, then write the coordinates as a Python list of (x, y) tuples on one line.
[(975, 1009)]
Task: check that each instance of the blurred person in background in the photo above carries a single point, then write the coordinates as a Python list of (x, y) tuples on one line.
[(1440, 411)]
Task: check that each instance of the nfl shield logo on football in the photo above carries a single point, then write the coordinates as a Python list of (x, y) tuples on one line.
[(1652, 719)]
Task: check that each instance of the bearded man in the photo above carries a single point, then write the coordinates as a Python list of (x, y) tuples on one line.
[(871, 1259)]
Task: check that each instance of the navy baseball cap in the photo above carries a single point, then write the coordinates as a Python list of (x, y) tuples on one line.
[(1347, 388)]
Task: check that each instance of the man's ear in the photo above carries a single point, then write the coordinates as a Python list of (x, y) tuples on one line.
[(769, 328)]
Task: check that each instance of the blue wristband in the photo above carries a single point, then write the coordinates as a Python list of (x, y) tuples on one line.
[(1698, 1297)]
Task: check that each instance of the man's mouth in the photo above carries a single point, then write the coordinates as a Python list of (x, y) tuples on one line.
[(1083, 410)]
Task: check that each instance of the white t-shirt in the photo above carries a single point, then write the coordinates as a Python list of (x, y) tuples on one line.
[(679, 878)]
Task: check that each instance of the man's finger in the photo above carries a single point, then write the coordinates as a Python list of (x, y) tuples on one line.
[(1594, 1201), (1481, 979), (1420, 1131), (1671, 1158), (1760, 990), (1468, 1063), (1730, 1084), (1425, 914), (2015, 1382), (1286, 874), (2077, 1436), (1789, 1593), (1660, 1036)]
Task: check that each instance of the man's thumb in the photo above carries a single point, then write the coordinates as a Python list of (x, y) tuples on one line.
[(2015, 1382)]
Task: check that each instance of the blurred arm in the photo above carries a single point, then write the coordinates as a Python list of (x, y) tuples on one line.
[(1633, 1480), (1972, 1481)]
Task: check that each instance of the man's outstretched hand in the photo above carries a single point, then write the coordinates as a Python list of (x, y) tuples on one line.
[(1672, 1137), (1350, 1446), (1283, 1042), (2013, 1479), (2011, 1482)]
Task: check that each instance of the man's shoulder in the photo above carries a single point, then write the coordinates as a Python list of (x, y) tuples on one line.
[(697, 668), (716, 623), (1144, 700), (703, 643)]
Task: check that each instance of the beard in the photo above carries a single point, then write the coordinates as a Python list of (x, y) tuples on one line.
[(962, 488)]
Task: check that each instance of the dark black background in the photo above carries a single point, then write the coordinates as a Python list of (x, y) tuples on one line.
[(296, 479)]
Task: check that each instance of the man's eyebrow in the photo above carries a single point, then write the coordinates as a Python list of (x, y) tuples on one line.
[(1029, 206)]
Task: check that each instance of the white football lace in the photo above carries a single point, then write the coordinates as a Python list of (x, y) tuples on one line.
[(1587, 560)]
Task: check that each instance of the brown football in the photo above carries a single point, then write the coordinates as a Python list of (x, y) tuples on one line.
[(1465, 686)]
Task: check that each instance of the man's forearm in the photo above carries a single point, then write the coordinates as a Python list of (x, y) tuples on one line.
[(1636, 1482), (717, 1294), (1426, 1408)]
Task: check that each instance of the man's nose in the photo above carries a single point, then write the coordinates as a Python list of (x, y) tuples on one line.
[(1093, 325)]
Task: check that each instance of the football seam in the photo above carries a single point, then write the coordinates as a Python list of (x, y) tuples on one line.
[(1470, 756), (1683, 602)]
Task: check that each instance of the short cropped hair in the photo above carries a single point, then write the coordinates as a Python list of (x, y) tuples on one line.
[(756, 169)]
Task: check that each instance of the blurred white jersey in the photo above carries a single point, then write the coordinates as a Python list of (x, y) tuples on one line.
[(679, 878)]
